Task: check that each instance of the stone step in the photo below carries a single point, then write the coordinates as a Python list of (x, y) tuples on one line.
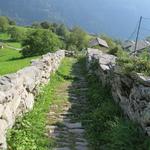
[(77, 125), (81, 148), (63, 148), (77, 131), (81, 143), (70, 136), (68, 113)]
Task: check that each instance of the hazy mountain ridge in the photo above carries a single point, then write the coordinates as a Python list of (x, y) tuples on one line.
[(117, 18)]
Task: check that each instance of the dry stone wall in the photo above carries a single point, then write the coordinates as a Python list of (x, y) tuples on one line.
[(17, 90), (131, 92)]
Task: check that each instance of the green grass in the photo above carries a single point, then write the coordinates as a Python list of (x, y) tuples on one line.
[(106, 126), (14, 44), (25, 29), (4, 36), (28, 133), (11, 61)]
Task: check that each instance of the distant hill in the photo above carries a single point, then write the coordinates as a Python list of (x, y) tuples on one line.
[(117, 18)]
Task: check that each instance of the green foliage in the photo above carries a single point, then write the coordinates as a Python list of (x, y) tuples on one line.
[(4, 23), (4, 36), (139, 64), (16, 34), (107, 129), (115, 50), (62, 31), (10, 21), (36, 25), (45, 25), (40, 42), (77, 38), (111, 43)]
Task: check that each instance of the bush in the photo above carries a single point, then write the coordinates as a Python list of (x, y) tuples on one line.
[(112, 44), (40, 42), (139, 64), (114, 51), (78, 38), (16, 34), (4, 23)]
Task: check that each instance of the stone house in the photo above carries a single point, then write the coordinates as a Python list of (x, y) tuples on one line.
[(141, 45), (98, 43)]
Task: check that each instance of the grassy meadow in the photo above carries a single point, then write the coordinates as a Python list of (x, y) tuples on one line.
[(10, 59)]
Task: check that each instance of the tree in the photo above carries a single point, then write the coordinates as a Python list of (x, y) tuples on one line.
[(62, 31), (16, 34), (40, 42), (78, 38), (36, 25), (45, 25), (54, 27), (10, 21), (4, 23)]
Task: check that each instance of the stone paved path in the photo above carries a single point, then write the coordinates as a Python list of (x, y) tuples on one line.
[(64, 119)]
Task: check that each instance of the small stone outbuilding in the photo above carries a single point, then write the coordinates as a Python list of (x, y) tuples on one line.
[(98, 42)]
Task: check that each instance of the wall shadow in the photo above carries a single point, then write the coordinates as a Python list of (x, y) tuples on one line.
[(68, 132)]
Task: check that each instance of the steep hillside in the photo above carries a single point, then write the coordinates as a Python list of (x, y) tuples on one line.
[(117, 19)]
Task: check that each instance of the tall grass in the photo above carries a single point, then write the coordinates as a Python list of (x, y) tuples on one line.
[(107, 128)]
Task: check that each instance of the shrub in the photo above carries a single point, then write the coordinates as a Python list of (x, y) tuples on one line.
[(40, 42), (140, 63), (77, 38), (109, 40), (114, 51), (16, 34), (4, 23)]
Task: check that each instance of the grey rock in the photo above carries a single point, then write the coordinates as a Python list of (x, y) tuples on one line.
[(77, 131), (77, 125)]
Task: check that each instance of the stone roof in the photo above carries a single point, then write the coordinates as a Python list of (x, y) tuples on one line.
[(98, 41), (127, 44), (130, 45)]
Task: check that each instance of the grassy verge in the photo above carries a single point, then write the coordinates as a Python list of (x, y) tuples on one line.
[(28, 133), (11, 61), (107, 129)]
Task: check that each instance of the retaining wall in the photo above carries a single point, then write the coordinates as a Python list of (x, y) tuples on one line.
[(131, 92)]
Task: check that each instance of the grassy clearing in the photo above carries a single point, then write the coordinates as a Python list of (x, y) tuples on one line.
[(14, 44), (4, 36), (28, 133), (107, 129), (11, 61)]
